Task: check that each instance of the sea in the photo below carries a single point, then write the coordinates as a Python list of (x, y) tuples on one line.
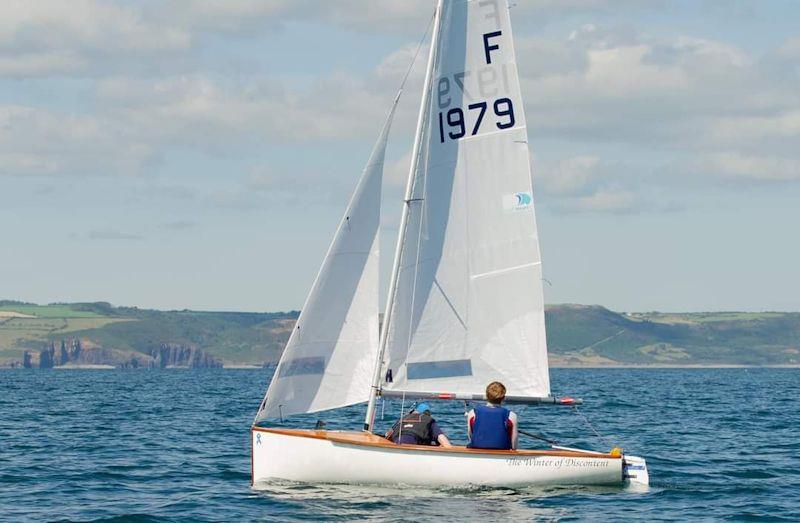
[(172, 445)]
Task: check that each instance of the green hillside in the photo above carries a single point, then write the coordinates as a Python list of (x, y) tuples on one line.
[(585, 334), (236, 338), (577, 334)]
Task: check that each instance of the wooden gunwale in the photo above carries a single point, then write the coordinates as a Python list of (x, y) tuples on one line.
[(363, 439)]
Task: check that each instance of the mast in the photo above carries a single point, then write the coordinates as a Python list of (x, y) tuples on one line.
[(415, 153)]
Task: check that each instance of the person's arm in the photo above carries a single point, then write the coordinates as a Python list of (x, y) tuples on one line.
[(513, 430), (470, 422), (438, 435)]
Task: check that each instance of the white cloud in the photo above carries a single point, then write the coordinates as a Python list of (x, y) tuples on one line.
[(112, 234), (709, 101), (39, 141), (588, 184), (763, 168), (605, 201), (790, 49), (178, 225), (375, 16), (32, 64), (570, 176), (733, 130), (395, 172), (292, 188), (51, 37)]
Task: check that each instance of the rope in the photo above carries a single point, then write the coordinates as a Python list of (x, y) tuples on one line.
[(589, 423), (402, 414)]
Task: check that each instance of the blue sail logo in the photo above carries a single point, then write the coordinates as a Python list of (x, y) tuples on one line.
[(524, 199), (517, 201)]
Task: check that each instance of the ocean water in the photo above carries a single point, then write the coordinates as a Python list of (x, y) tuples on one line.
[(84, 445)]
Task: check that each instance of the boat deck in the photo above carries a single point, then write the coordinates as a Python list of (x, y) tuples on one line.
[(365, 439)]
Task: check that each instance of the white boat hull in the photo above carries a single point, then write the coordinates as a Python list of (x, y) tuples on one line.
[(360, 458)]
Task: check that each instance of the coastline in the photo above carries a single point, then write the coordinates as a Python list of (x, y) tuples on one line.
[(676, 366), (609, 366)]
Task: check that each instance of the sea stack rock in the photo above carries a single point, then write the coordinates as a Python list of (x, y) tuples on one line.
[(47, 356), (180, 355)]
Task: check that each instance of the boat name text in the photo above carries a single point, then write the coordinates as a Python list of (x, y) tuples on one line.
[(558, 463)]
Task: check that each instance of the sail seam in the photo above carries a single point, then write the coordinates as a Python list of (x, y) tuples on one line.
[(507, 269), (490, 133)]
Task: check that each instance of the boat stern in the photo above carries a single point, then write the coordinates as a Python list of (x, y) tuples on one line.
[(634, 471)]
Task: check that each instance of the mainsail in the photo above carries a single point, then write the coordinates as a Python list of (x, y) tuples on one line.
[(330, 355), (467, 304)]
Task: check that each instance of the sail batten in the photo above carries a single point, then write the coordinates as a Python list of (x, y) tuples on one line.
[(468, 304)]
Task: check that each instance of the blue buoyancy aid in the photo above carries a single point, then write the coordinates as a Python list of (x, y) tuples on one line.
[(490, 428)]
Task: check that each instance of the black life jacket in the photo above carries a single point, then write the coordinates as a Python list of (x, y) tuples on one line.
[(415, 423)]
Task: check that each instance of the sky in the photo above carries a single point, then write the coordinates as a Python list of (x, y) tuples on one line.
[(199, 154)]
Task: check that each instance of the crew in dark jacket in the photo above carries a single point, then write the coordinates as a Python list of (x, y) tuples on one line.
[(418, 428)]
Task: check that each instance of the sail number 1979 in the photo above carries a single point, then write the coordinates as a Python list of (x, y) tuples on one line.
[(453, 122), (453, 125)]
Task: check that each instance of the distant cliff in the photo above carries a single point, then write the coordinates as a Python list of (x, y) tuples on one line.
[(74, 353), (178, 355)]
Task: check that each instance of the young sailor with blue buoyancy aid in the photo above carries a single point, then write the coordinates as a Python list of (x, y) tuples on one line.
[(492, 426), (418, 428)]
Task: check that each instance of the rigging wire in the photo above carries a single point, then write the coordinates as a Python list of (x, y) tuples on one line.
[(402, 411), (416, 53), (589, 424), (376, 384), (419, 154), (424, 152)]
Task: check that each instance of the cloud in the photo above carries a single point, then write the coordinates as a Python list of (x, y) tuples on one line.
[(178, 225), (605, 201), (50, 37), (755, 129), (292, 188), (247, 17), (376, 16), (587, 184), (211, 111), (112, 234), (395, 172), (37, 141), (570, 176), (790, 49), (620, 104), (757, 168), (659, 92)]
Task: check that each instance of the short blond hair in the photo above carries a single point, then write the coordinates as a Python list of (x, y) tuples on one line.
[(496, 392)]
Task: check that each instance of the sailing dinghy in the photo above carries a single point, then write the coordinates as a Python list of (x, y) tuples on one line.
[(465, 303)]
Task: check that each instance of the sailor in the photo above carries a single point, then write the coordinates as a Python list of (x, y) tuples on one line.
[(492, 426), (418, 428)]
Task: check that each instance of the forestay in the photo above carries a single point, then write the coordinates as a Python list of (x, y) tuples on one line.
[(468, 305), (330, 355)]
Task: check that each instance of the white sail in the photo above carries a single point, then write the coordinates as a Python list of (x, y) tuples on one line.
[(328, 360), (467, 303)]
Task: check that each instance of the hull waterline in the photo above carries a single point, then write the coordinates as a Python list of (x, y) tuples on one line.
[(312, 456)]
